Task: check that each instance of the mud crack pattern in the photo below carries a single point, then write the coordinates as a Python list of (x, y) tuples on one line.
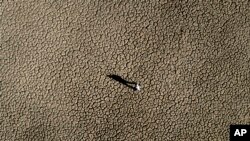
[(191, 59)]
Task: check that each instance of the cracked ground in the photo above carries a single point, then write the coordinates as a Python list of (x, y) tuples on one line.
[(191, 59)]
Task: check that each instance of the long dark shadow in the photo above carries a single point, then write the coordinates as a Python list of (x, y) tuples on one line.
[(123, 81)]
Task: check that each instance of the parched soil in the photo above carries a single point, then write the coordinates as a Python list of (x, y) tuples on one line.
[(191, 59)]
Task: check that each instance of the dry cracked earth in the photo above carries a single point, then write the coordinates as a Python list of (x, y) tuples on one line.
[(192, 60)]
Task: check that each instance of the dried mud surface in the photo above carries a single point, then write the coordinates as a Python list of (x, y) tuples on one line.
[(192, 60)]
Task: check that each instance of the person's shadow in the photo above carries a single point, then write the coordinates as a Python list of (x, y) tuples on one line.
[(123, 81)]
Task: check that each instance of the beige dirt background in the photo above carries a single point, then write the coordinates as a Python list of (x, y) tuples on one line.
[(192, 60)]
